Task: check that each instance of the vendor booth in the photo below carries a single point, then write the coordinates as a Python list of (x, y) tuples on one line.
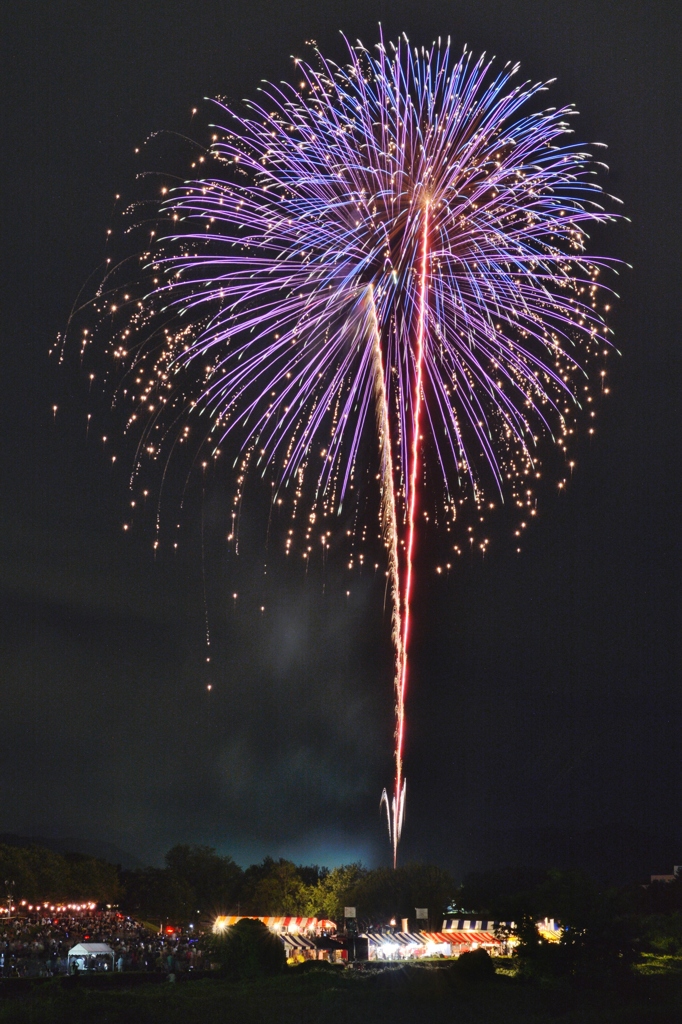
[(395, 945), (298, 947), (415, 945), (467, 934), (330, 949)]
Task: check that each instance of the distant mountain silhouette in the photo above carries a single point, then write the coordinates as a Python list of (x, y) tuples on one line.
[(90, 848)]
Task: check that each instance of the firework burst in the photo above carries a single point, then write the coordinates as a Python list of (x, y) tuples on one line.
[(392, 249)]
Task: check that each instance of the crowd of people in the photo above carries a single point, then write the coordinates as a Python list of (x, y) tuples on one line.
[(36, 943)]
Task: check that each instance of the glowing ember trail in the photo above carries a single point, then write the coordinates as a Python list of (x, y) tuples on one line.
[(389, 519)]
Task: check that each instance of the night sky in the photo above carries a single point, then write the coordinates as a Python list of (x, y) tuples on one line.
[(545, 686)]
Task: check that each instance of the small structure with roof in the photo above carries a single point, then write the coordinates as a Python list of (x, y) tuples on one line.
[(91, 956)]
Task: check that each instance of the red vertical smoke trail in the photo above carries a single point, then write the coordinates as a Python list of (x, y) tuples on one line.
[(399, 790)]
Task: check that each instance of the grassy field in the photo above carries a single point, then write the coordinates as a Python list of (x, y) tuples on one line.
[(403, 995)]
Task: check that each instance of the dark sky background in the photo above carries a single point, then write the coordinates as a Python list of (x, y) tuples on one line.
[(545, 699)]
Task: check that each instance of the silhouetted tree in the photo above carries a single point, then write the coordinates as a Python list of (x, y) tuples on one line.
[(385, 892), (214, 880), (274, 887), (156, 894), (41, 874), (246, 951)]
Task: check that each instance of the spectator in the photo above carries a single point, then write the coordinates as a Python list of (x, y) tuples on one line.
[(37, 943)]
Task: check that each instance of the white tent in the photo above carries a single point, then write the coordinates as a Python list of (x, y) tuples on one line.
[(87, 955)]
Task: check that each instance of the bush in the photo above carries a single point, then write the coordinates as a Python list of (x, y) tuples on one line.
[(246, 951), (476, 966)]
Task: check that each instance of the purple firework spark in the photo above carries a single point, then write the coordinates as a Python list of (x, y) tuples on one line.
[(400, 240)]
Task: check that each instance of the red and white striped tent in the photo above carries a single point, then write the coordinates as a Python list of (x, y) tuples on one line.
[(394, 945), (399, 945), (288, 925), (464, 941), (469, 924)]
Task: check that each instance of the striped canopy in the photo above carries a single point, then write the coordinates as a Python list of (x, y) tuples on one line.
[(437, 938), (283, 924), (395, 938), (466, 924), (297, 942), (461, 939)]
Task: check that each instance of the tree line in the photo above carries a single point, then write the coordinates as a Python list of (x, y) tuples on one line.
[(197, 882), (34, 873), (605, 928)]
